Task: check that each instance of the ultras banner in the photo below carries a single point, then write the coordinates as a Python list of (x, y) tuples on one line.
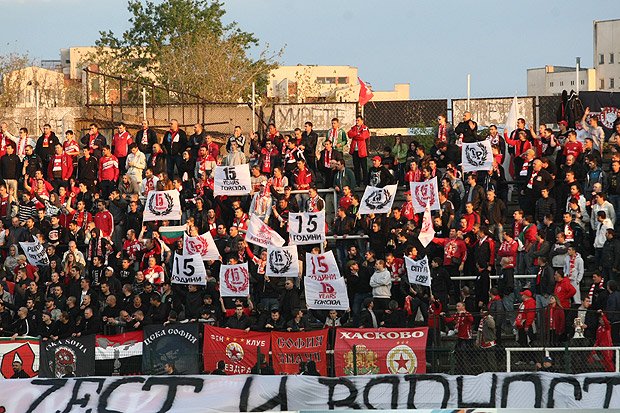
[(380, 351), (173, 343), (238, 348), (119, 354), (24, 349), (199, 394), (76, 354), (290, 349)]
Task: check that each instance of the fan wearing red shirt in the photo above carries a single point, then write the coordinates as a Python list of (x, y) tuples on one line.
[(359, 134), (60, 168), (108, 171), (120, 144), (525, 318), (104, 220), (154, 273), (463, 321), (564, 289), (302, 177), (572, 146)]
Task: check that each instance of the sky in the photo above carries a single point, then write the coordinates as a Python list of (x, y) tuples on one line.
[(432, 45)]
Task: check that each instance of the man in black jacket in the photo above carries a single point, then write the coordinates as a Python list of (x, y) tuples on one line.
[(239, 320), (88, 168), (474, 194), (10, 167), (175, 142), (358, 286), (145, 138), (467, 129), (368, 317), (324, 166), (45, 145), (378, 174), (309, 140), (93, 140)]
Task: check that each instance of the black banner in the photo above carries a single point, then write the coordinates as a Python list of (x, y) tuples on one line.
[(75, 354), (605, 106), (176, 344)]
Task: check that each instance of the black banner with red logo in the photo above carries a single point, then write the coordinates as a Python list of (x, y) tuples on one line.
[(70, 355)]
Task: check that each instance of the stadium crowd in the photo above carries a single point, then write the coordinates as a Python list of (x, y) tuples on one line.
[(109, 272)]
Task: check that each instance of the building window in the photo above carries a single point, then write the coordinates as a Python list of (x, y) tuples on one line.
[(583, 82), (611, 82), (561, 83), (326, 80), (572, 83), (343, 80), (611, 57), (601, 59), (550, 84), (602, 85)]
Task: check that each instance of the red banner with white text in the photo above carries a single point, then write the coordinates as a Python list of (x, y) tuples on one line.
[(290, 349), (237, 348), (380, 351)]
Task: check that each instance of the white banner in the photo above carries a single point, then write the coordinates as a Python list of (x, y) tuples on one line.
[(306, 227), (235, 280), (428, 231), (325, 288), (232, 180), (162, 206), (203, 245), (425, 194), (378, 200), (199, 394), (282, 262), (188, 269), (35, 252), (418, 271), (477, 156), (261, 234)]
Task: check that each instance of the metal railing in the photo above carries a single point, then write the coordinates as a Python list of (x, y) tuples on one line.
[(547, 350)]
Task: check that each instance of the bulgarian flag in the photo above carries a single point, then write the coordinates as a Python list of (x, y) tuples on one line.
[(172, 234), (365, 93)]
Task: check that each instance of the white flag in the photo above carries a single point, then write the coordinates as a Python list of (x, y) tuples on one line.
[(306, 228), (282, 262), (188, 269), (418, 272), (427, 232), (377, 200), (203, 245), (234, 280), (324, 287), (477, 156), (232, 180), (425, 194), (35, 252), (162, 206), (261, 234), (511, 118)]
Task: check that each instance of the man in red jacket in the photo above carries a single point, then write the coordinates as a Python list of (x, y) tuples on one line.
[(104, 220), (359, 134), (525, 319), (108, 171), (564, 290), (120, 144), (60, 168), (463, 321)]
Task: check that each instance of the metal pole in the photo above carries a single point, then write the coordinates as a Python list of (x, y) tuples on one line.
[(468, 90), (355, 360), (144, 102), (508, 354), (253, 107), (36, 98), (577, 68)]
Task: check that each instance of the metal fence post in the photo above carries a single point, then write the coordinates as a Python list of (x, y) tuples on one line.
[(259, 355), (567, 359), (120, 95), (508, 359), (355, 360)]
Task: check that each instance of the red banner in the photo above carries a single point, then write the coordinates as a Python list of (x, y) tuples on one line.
[(290, 349), (238, 348), (381, 351)]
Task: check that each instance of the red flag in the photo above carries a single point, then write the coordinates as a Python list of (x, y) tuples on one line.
[(381, 351), (365, 93), (238, 348), (289, 349)]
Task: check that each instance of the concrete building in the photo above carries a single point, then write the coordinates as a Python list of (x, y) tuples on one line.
[(34, 82), (297, 84), (606, 34), (72, 60), (552, 80)]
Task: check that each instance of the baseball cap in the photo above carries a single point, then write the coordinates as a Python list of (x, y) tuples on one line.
[(563, 122), (376, 158), (527, 293), (548, 360)]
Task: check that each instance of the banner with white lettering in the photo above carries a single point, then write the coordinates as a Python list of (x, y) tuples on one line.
[(380, 351), (306, 228), (418, 271), (24, 349), (425, 194), (232, 180), (477, 156), (325, 288), (428, 231), (377, 200), (261, 234), (234, 280), (75, 354), (203, 245), (173, 343), (291, 349), (162, 206), (282, 262), (35, 252), (237, 348), (188, 269), (204, 393)]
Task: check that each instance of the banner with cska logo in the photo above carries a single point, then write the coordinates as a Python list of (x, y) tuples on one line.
[(162, 206), (76, 354), (378, 200), (380, 351)]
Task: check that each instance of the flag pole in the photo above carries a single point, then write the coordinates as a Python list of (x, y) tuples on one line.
[(468, 90)]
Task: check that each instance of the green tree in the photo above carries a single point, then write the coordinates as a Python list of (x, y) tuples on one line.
[(185, 45)]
